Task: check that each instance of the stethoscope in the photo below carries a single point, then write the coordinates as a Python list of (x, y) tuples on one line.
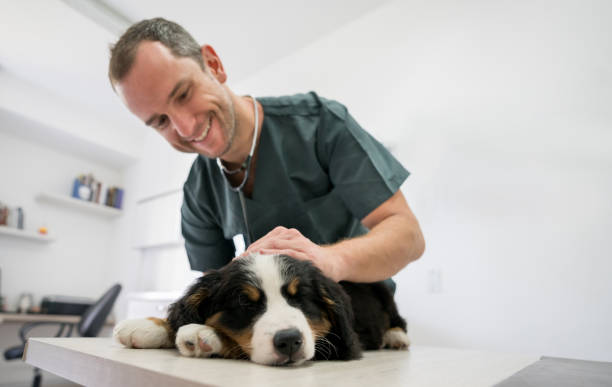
[(246, 166)]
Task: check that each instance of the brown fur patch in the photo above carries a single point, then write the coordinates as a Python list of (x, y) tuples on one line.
[(196, 298), (158, 321), (236, 345), (292, 288), (319, 328), (252, 292), (213, 321), (326, 297), (243, 339), (163, 323)]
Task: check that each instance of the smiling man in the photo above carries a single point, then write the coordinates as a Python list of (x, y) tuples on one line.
[(295, 175)]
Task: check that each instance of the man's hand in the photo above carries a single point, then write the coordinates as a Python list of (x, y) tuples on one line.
[(394, 240), (291, 242)]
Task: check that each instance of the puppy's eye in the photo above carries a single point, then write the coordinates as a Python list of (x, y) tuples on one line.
[(244, 300)]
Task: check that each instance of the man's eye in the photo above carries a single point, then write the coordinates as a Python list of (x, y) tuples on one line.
[(162, 122), (184, 95)]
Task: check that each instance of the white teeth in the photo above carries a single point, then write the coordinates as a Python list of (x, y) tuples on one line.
[(205, 132)]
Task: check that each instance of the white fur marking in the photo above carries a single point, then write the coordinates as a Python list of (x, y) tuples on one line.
[(279, 315), (196, 340), (141, 333), (396, 339)]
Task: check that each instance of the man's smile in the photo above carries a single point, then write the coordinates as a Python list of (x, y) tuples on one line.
[(205, 132)]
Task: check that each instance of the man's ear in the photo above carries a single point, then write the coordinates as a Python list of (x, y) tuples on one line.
[(342, 337), (213, 63), (197, 303)]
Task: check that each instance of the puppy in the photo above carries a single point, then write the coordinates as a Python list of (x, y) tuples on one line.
[(273, 310)]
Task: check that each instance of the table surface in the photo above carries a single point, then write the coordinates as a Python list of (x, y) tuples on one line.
[(104, 362)]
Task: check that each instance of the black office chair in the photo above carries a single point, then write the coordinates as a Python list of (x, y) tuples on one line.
[(90, 324)]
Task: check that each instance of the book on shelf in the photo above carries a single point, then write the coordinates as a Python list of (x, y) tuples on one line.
[(119, 198), (103, 194), (87, 188)]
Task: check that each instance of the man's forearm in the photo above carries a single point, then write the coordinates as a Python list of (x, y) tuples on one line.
[(394, 240), (381, 253)]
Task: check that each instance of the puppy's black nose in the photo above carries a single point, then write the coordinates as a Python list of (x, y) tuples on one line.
[(288, 341)]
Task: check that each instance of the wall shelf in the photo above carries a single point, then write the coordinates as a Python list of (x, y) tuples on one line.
[(80, 205), (25, 234), (160, 245)]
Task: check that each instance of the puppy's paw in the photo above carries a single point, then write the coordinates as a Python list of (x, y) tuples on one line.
[(197, 340), (396, 338), (143, 333)]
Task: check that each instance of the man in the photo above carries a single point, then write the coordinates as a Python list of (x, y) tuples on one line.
[(295, 175)]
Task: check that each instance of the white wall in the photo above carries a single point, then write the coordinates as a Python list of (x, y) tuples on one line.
[(501, 112), (76, 263), (78, 122), (44, 145)]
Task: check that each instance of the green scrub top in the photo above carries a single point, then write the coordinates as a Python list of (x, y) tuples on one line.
[(317, 171)]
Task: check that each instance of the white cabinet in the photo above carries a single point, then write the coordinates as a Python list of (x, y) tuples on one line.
[(150, 304)]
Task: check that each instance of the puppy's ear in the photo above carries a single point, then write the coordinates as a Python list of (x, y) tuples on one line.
[(197, 303), (342, 337)]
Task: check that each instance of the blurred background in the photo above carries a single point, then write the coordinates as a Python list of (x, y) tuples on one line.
[(501, 110)]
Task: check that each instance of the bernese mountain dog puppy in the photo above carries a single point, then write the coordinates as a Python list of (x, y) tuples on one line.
[(273, 310)]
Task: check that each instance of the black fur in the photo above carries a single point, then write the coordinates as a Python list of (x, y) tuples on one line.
[(221, 291), (359, 314), (345, 343), (375, 312), (341, 342)]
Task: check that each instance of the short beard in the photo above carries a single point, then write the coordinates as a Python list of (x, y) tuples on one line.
[(231, 132)]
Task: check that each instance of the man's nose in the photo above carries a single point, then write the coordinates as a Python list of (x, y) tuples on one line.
[(183, 123)]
